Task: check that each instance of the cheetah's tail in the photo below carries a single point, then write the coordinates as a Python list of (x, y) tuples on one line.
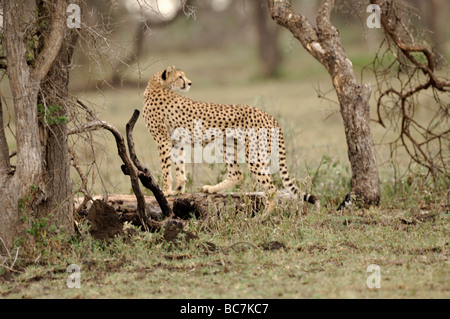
[(287, 182)]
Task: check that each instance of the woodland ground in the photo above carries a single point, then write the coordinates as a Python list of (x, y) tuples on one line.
[(291, 253)]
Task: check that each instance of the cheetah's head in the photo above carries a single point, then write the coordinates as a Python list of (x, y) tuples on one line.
[(175, 79)]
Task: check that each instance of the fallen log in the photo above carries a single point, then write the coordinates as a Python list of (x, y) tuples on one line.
[(184, 206)]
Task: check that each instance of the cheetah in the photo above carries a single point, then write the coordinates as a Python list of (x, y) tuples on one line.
[(165, 111)]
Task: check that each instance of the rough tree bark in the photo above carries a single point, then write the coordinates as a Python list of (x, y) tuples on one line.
[(324, 44), (4, 150), (25, 189), (54, 91)]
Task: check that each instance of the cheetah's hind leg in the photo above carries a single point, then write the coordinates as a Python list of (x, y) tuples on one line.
[(234, 176)]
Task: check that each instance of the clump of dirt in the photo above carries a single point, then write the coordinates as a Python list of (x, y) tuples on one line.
[(105, 223), (174, 227), (6, 276), (272, 245)]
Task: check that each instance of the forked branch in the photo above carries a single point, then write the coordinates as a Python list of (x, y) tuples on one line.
[(136, 173), (144, 173)]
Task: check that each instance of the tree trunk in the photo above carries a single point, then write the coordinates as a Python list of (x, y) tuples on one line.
[(23, 190), (54, 92), (324, 44), (268, 48)]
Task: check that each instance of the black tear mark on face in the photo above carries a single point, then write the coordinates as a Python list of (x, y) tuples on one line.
[(164, 75)]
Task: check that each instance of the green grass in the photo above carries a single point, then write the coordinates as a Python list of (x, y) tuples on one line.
[(324, 255)]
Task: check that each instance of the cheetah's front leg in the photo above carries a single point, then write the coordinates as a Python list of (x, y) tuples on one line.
[(180, 170), (166, 162)]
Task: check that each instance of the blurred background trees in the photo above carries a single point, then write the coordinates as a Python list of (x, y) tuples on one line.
[(137, 29)]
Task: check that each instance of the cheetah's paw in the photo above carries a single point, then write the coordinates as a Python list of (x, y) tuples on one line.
[(208, 189)]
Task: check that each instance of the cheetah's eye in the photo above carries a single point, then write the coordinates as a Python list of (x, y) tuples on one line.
[(181, 77)]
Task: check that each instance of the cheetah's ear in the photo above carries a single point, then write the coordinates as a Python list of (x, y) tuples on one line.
[(167, 71)]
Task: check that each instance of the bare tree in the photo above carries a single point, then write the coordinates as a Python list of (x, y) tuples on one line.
[(37, 58), (324, 44), (406, 59)]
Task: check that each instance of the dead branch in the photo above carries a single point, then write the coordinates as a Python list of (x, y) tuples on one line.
[(84, 181), (413, 67), (388, 15), (144, 173), (134, 168), (131, 170)]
